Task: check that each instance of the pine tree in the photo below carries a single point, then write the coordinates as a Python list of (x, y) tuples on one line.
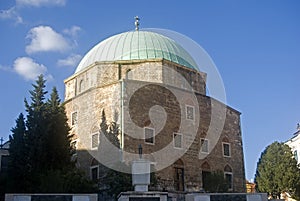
[(113, 182), (40, 148), (57, 134), (36, 125), (113, 134), (18, 158), (277, 171), (103, 124), (216, 183)]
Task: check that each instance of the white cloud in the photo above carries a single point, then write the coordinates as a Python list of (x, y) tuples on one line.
[(28, 68), (44, 38), (39, 3), (11, 14), (73, 31), (71, 60)]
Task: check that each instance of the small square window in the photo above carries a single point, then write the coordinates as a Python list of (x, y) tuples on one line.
[(204, 145), (190, 113), (226, 149), (74, 118), (95, 140), (177, 139), (149, 135)]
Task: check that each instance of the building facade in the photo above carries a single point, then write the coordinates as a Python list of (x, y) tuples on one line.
[(151, 87), (294, 143)]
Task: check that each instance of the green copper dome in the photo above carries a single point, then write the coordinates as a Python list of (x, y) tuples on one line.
[(137, 45)]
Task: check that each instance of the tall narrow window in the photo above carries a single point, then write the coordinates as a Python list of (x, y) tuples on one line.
[(94, 170), (228, 177), (74, 118), (190, 112), (95, 140), (81, 86), (296, 155), (204, 145), (149, 135), (177, 139), (226, 149)]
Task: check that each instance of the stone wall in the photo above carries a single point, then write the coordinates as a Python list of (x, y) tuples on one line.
[(147, 84)]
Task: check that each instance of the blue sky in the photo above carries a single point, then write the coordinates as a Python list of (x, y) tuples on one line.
[(254, 44)]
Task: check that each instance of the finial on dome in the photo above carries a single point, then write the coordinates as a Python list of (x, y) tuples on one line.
[(137, 22)]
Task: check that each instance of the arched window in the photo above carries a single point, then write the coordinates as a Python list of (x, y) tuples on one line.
[(128, 74), (81, 86), (94, 170), (296, 155), (206, 172), (205, 166), (229, 177), (179, 175)]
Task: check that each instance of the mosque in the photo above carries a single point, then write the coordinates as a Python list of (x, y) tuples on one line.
[(152, 88)]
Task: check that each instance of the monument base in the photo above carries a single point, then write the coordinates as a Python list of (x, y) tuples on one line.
[(143, 196)]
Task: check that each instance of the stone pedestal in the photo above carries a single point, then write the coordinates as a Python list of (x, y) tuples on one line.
[(140, 175), (143, 196)]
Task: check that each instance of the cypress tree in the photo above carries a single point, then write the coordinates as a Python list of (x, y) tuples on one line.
[(57, 135), (277, 171), (18, 159), (36, 123), (40, 150)]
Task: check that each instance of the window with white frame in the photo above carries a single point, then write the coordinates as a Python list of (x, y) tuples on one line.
[(149, 135), (95, 140), (204, 145), (74, 118), (226, 149), (177, 140), (296, 155), (190, 112)]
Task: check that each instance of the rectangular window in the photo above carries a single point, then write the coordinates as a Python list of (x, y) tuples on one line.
[(177, 139), (149, 135), (95, 140), (228, 178), (190, 113), (226, 149), (296, 155), (74, 118), (94, 173), (204, 145)]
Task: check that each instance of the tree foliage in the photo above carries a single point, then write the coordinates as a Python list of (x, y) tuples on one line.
[(40, 150), (113, 182), (111, 131), (216, 183), (277, 171)]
